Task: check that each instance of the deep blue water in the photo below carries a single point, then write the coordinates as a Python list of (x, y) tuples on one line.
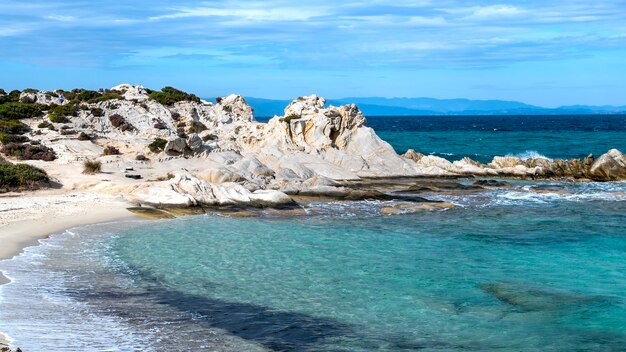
[(483, 137)]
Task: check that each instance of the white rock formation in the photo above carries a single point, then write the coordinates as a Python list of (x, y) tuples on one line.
[(226, 157)]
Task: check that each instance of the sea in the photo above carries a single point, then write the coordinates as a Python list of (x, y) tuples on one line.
[(508, 269)]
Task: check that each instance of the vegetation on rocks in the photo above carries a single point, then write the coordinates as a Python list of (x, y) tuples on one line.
[(92, 167), (118, 121), (84, 137), (158, 145), (19, 110), (111, 150), (28, 151), (171, 95), (60, 113), (196, 127), (97, 112), (12, 138), (13, 127), (291, 117), (16, 177)]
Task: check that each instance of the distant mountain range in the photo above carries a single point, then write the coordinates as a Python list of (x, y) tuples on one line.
[(429, 106)]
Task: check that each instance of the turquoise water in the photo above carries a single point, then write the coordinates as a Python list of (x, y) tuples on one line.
[(510, 270), (506, 270)]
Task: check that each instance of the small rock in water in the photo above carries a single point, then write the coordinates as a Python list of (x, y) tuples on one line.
[(414, 208), (531, 298), (491, 183), (558, 189)]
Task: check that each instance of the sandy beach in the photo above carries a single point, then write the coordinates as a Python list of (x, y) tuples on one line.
[(26, 218)]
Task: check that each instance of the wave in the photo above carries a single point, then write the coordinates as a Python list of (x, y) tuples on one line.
[(530, 154)]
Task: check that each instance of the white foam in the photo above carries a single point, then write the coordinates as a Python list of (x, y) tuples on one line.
[(530, 154), (37, 314)]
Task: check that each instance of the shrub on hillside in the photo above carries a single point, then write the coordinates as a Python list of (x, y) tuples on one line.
[(12, 138), (12, 97), (158, 145), (141, 157), (19, 110), (97, 112), (60, 113), (84, 137), (196, 127), (117, 120), (171, 95), (160, 125), (111, 150), (92, 167), (30, 151), (13, 127), (15, 177)]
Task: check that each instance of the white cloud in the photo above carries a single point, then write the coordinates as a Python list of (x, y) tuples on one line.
[(427, 21), (61, 18), (254, 15), (496, 11)]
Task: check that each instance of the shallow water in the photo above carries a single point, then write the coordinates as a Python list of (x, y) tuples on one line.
[(507, 270)]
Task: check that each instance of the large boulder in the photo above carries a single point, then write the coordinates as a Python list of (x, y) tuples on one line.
[(609, 167), (235, 106), (194, 142), (176, 146), (413, 155)]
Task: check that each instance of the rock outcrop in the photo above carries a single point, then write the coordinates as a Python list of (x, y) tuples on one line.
[(221, 155), (609, 167)]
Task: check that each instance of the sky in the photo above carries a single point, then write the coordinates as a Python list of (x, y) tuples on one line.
[(548, 53)]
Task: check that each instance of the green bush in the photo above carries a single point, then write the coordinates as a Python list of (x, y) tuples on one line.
[(106, 95), (44, 124), (86, 95), (291, 117), (196, 127), (92, 167), (12, 138), (29, 151), (97, 112), (158, 145), (171, 95), (15, 177), (13, 127), (12, 97), (59, 113), (19, 110)]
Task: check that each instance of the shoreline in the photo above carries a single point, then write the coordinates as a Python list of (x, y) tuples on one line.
[(22, 227)]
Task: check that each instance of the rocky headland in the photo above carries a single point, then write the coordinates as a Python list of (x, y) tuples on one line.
[(170, 149)]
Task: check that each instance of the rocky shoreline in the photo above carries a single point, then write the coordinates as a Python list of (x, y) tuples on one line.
[(171, 149)]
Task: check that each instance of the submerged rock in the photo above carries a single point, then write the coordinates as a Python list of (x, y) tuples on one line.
[(558, 189), (531, 298), (414, 208), (492, 183), (442, 186)]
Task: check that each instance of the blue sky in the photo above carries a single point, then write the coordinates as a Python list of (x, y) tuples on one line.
[(550, 53)]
